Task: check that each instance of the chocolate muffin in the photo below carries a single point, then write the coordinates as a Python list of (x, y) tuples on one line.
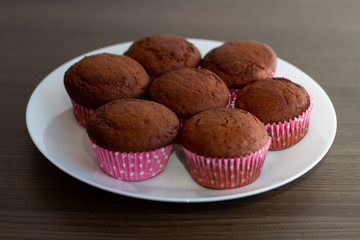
[(224, 147), (161, 53), (282, 105), (189, 91), (133, 125), (98, 79), (273, 100), (223, 133), (241, 62)]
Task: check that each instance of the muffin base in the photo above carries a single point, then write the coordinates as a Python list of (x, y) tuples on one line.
[(132, 166), (226, 173), (288, 133), (81, 113)]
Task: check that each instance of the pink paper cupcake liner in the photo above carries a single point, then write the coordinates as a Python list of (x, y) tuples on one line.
[(226, 173), (132, 166), (81, 113), (273, 74), (151, 79), (229, 103), (183, 121), (288, 133), (234, 91)]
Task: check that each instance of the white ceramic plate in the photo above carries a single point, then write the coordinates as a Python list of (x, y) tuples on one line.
[(64, 142)]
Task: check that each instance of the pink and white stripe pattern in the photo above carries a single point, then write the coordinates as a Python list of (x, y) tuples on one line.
[(81, 113), (226, 173), (288, 133), (132, 166)]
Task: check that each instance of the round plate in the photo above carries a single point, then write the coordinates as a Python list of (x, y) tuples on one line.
[(64, 142)]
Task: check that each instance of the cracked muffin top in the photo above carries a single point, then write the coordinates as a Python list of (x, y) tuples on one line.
[(223, 133), (241, 62), (98, 79), (189, 91), (273, 100), (133, 125), (161, 53)]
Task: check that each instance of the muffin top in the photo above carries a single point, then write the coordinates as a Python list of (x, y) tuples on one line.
[(189, 91), (160, 53), (223, 133), (98, 79), (133, 125), (273, 100), (241, 62)]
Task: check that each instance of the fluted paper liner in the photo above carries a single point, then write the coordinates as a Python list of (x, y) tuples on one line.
[(226, 173), (132, 166), (288, 133), (81, 113)]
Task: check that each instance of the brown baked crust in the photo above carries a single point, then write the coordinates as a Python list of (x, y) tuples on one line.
[(160, 53), (241, 62), (273, 100), (223, 133), (189, 91), (133, 125), (98, 79)]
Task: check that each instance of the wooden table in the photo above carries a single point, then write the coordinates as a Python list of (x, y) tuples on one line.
[(38, 201)]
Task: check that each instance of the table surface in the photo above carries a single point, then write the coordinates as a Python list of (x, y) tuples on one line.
[(39, 201)]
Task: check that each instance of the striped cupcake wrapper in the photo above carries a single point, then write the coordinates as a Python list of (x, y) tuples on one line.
[(288, 133), (132, 166), (81, 113), (226, 173)]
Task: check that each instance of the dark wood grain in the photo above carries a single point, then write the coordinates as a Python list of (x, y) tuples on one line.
[(38, 201)]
